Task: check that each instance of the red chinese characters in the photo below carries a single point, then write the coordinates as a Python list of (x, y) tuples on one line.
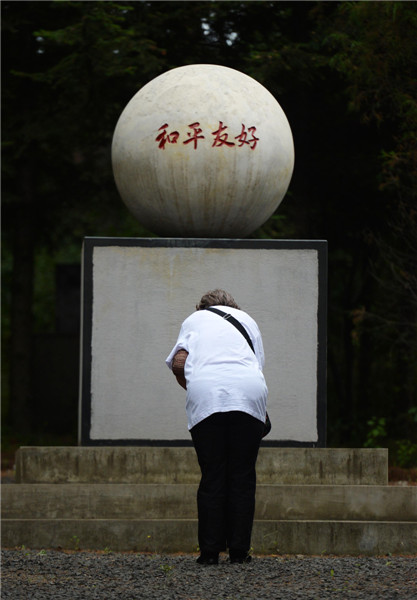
[(194, 136), (220, 137), (164, 137), (242, 138)]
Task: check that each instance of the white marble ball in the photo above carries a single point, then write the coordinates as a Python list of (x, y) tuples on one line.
[(202, 151)]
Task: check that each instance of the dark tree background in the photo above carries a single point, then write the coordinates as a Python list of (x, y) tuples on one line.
[(345, 75)]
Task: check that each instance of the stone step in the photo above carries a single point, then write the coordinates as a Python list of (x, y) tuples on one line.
[(152, 464), (178, 501), (180, 535)]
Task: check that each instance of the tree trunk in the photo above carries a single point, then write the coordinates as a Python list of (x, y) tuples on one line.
[(23, 237)]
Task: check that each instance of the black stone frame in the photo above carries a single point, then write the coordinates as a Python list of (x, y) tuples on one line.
[(86, 328)]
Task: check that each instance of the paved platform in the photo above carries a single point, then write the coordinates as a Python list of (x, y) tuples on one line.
[(174, 501), (147, 464), (309, 501)]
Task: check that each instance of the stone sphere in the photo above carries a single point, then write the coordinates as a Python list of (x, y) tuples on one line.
[(202, 151)]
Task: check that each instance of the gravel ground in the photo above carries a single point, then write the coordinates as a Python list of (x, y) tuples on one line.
[(59, 575)]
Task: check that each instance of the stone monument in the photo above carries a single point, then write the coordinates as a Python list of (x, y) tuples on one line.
[(204, 153)]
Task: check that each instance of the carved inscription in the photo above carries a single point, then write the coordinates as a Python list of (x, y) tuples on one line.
[(218, 138)]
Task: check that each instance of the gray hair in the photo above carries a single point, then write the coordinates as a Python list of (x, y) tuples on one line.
[(216, 298)]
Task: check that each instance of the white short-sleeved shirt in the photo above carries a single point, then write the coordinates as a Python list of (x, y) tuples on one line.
[(222, 372)]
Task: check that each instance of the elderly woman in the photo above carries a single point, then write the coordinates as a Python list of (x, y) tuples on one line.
[(226, 410)]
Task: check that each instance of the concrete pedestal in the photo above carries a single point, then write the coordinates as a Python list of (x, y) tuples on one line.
[(309, 501), (136, 294)]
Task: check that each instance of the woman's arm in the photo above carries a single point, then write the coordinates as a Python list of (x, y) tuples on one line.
[(178, 363)]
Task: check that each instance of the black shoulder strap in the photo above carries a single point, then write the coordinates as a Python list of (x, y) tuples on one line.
[(235, 322)]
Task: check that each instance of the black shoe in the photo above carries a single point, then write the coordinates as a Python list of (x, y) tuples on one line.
[(236, 559), (208, 559)]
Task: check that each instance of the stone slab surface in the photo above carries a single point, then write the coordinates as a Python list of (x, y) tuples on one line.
[(148, 464), (286, 537), (173, 501), (136, 289)]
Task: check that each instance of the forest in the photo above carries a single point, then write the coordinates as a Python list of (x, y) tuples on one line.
[(345, 74)]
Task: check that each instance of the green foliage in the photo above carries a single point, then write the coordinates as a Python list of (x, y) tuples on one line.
[(167, 569), (377, 432), (25, 550), (405, 454), (373, 46), (75, 540)]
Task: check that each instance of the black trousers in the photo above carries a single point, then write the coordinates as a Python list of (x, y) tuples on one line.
[(227, 447)]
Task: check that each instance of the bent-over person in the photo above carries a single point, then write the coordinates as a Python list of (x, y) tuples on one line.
[(226, 411)]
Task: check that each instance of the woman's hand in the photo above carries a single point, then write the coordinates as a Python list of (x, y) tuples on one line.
[(181, 380)]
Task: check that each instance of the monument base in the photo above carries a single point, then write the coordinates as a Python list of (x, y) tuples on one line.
[(143, 499), (167, 465), (136, 294)]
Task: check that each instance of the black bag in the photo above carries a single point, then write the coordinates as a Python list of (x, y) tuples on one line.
[(267, 426), (240, 327)]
